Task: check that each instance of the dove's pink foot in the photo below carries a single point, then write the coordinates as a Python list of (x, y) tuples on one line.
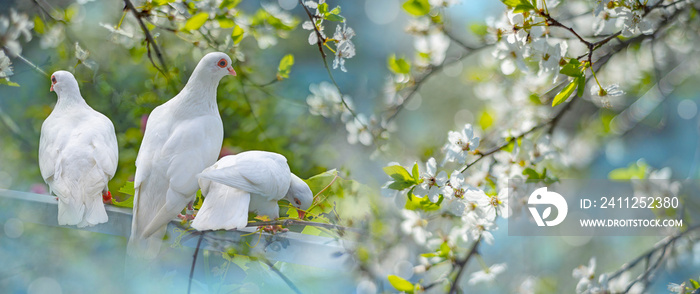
[(274, 229), (107, 197), (189, 212)]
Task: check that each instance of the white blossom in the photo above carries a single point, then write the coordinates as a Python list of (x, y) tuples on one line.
[(487, 275), (5, 65), (344, 49), (459, 144), (325, 100), (358, 130), (431, 181), (414, 225), (609, 91), (12, 28)]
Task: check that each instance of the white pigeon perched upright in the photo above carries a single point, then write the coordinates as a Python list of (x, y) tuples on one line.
[(183, 136), (251, 180), (78, 155)]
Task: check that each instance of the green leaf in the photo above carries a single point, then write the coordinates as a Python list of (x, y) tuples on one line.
[(229, 3), (523, 8), (128, 188), (334, 17), (415, 172), (402, 179), (581, 85), (285, 66), (7, 82), (195, 22), (572, 70), (531, 174), (398, 65), (335, 10), (444, 250), (485, 119), (400, 284), (565, 93), (39, 26), (226, 23), (237, 34), (323, 8), (479, 29), (417, 203), (417, 7), (695, 284), (162, 2), (519, 5), (636, 170)]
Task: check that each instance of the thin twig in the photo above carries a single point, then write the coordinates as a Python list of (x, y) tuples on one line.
[(283, 277), (293, 222), (462, 264), (627, 266), (194, 261), (320, 41), (150, 42)]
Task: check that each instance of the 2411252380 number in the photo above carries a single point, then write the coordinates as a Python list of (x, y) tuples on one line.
[(639, 202)]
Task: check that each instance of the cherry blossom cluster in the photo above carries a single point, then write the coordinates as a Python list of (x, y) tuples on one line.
[(12, 27)]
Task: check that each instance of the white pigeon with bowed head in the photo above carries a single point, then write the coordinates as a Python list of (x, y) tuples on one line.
[(78, 155), (249, 181), (183, 136)]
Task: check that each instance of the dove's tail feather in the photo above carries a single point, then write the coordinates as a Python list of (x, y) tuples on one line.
[(146, 248), (138, 246), (95, 213), (224, 208), (80, 200)]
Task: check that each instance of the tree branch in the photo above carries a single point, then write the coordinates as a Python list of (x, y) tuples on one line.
[(462, 264), (283, 277), (150, 42), (194, 261), (293, 222)]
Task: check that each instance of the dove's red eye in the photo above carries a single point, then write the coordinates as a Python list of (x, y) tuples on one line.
[(53, 79), (222, 63), (297, 201)]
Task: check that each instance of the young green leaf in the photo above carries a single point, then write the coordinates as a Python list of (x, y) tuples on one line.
[(695, 284), (400, 284), (565, 93), (581, 84), (333, 17), (237, 34), (196, 21), (398, 65), (285, 67), (417, 7), (399, 174), (415, 173)]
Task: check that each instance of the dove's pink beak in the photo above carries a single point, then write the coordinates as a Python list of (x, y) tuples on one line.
[(231, 71), (51, 89), (301, 213)]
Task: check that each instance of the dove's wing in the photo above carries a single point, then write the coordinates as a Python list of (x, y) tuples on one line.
[(257, 172), (224, 208), (167, 165), (71, 147)]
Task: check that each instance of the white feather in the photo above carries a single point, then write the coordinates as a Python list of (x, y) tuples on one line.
[(183, 136), (252, 180), (78, 155)]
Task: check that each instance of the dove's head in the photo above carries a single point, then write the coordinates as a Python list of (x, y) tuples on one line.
[(215, 65), (299, 195), (63, 83)]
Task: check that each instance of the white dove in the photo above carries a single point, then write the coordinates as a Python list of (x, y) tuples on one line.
[(251, 180), (78, 155), (183, 136)]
